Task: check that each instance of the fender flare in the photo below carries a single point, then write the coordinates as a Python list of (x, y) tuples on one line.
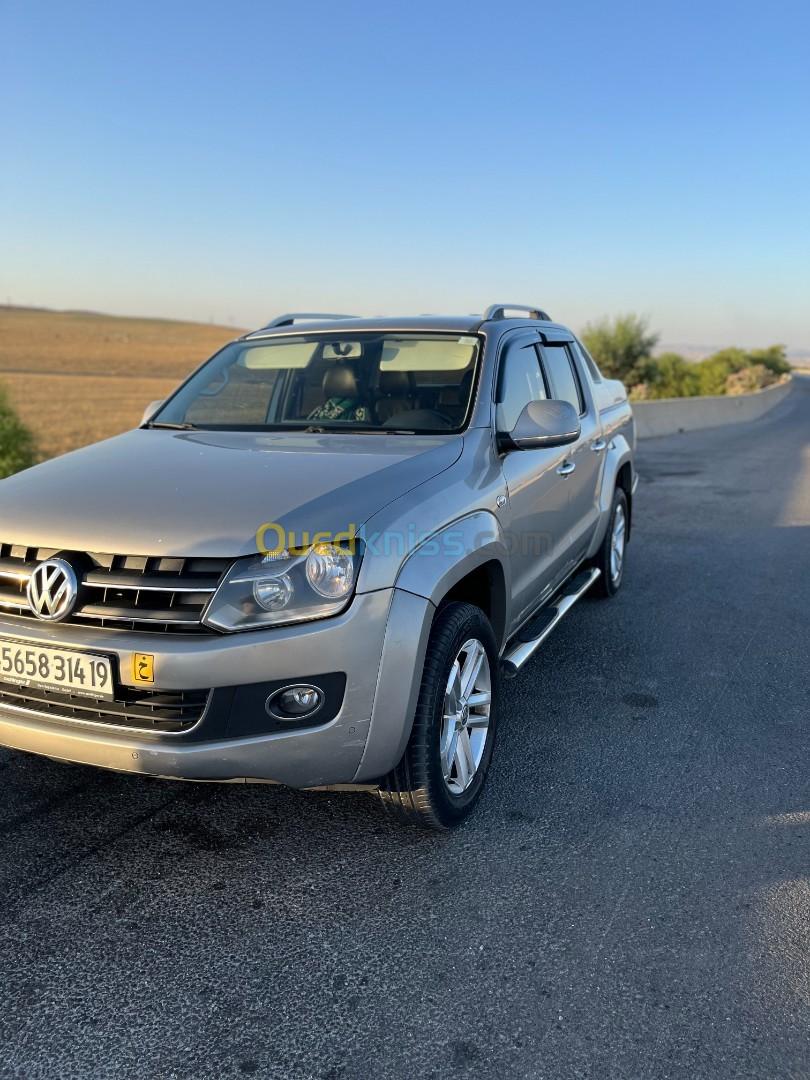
[(445, 557), (619, 453), (426, 576)]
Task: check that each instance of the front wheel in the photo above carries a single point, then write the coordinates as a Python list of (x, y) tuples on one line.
[(440, 777)]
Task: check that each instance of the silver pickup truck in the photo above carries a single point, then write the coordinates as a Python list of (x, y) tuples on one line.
[(315, 561)]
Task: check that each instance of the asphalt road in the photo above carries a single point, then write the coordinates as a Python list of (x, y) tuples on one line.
[(631, 900)]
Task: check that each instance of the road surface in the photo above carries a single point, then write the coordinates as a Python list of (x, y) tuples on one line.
[(632, 899)]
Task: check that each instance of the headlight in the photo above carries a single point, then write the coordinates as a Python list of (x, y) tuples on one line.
[(330, 571), (268, 590)]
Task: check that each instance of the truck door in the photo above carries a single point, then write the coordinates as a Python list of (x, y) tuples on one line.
[(538, 516), (583, 460)]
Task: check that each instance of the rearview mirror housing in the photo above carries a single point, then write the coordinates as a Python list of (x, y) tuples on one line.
[(544, 424)]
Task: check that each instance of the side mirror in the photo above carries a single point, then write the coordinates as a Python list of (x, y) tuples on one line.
[(150, 411), (545, 423)]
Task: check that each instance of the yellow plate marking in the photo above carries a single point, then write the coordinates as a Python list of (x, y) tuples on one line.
[(143, 667)]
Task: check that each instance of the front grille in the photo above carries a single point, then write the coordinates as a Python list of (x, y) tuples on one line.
[(121, 592), (171, 711)]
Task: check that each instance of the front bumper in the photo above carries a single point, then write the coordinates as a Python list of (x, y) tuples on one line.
[(377, 643)]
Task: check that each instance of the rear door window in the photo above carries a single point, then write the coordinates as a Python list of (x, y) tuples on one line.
[(584, 356)]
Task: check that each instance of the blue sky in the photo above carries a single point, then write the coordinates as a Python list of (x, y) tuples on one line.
[(228, 161)]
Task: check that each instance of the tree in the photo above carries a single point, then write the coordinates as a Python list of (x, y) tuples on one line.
[(622, 347)]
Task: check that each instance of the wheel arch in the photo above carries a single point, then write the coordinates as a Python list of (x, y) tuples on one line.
[(618, 472), (467, 560), (624, 480), (485, 586)]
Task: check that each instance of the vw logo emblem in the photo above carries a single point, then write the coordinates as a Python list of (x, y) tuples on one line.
[(52, 590)]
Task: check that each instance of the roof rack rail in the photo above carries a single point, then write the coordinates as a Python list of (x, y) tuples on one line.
[(497, 311), (303, 316)]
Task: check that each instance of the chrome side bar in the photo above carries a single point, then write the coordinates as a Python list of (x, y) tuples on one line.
[(516, 657)]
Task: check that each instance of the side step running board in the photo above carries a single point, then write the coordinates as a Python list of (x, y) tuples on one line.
[(517, 655)]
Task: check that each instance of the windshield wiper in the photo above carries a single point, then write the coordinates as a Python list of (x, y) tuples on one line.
[(172, 427)]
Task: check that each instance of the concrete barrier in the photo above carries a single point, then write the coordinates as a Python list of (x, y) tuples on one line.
[(671, 415)]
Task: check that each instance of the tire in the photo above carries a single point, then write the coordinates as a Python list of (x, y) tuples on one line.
[(418, 789), (610, 581)]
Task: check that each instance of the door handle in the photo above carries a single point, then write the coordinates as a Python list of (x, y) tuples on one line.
[(566, 468), (598, 445)]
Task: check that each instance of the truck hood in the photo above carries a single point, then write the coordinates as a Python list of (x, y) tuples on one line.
[(206, 494)]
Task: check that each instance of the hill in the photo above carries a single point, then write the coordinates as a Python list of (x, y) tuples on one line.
[(75, 377)]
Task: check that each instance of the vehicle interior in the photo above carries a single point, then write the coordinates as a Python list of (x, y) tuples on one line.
[(373, 382)]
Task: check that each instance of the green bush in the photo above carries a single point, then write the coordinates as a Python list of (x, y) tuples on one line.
[(774, 358), (729, 371), (749, 379), (672, 376), (17, 449), (716, 371), (713, 372)]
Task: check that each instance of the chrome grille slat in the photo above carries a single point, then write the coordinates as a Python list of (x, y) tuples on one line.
[(115, 614), (18, 603), (14, 569), (125, 580), (154, 594)]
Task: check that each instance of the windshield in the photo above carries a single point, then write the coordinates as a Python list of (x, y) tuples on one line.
[(356, 382)]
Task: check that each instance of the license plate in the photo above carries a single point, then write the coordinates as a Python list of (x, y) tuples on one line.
[(84, 674)]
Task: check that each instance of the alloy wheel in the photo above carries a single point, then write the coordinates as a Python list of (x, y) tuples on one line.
[(617, 542), (465, 716)]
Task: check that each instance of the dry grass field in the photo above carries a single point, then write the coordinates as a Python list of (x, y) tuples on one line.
[(76, 377)]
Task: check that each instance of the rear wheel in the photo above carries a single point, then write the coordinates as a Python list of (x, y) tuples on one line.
[(611, 555), (442, 772)]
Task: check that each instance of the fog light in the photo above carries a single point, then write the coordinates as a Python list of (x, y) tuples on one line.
[(295, 702)]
